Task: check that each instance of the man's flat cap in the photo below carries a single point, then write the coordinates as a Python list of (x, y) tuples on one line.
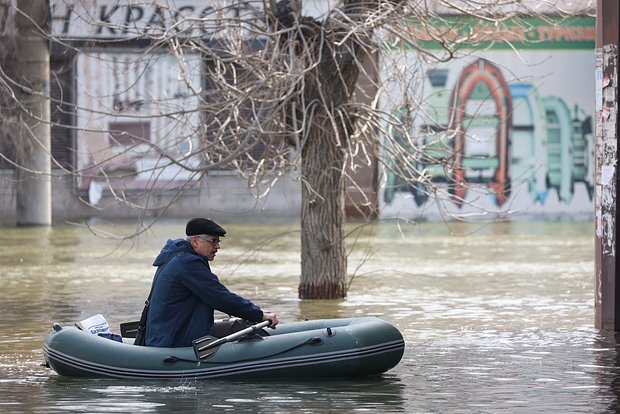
[(203, 226)]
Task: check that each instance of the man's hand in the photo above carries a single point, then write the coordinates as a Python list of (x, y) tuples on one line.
[(268, 316)]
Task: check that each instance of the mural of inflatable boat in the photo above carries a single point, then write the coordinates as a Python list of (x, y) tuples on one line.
[(481, 118), (497, 135)]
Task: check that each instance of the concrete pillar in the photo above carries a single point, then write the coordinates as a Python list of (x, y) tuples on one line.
[(607, 287), (33, 152)]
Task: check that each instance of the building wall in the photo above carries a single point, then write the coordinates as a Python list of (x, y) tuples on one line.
[(224, 196), (519, 105)]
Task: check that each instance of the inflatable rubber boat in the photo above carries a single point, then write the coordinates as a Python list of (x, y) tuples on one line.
[(352, 347)]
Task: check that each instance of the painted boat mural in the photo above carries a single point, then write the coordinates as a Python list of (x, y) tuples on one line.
[(476, 124), (529, 162), (498, 135)]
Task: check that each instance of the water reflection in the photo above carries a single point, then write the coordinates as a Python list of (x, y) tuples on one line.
[(370, 395), (496, 317), (607, 368)]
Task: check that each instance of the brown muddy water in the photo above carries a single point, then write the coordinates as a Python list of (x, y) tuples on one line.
[(497, 318)]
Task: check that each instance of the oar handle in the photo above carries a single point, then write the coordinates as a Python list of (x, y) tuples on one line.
[(235, 335), (247, 331)]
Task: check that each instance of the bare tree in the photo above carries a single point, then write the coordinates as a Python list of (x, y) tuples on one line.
[(281, 96)]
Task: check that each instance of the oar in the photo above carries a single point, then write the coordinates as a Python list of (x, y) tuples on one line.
[(208, 345)]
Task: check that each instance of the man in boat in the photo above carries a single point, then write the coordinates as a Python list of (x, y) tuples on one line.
[(185, 292)]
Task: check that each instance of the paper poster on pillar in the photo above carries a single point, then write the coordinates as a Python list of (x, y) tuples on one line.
[(521, 117)]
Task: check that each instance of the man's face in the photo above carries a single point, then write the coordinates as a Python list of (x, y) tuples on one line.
[(206, 245)]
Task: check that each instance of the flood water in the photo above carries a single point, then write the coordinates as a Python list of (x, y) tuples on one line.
[(497, 318)]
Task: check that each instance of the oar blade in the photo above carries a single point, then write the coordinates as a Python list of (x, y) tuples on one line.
[(205, 347), (207, 353)]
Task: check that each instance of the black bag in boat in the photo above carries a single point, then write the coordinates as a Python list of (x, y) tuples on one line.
[(136, 329)]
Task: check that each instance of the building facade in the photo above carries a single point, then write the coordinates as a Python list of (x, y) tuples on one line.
[(520, 100)]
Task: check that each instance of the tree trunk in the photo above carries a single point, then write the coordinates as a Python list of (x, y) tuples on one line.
[(332, 57), (33, 152), (323, 255)]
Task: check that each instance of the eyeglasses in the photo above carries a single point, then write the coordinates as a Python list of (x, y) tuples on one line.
[(212, 241)]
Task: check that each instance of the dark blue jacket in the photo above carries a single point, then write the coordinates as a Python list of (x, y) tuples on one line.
[(185, 294)]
